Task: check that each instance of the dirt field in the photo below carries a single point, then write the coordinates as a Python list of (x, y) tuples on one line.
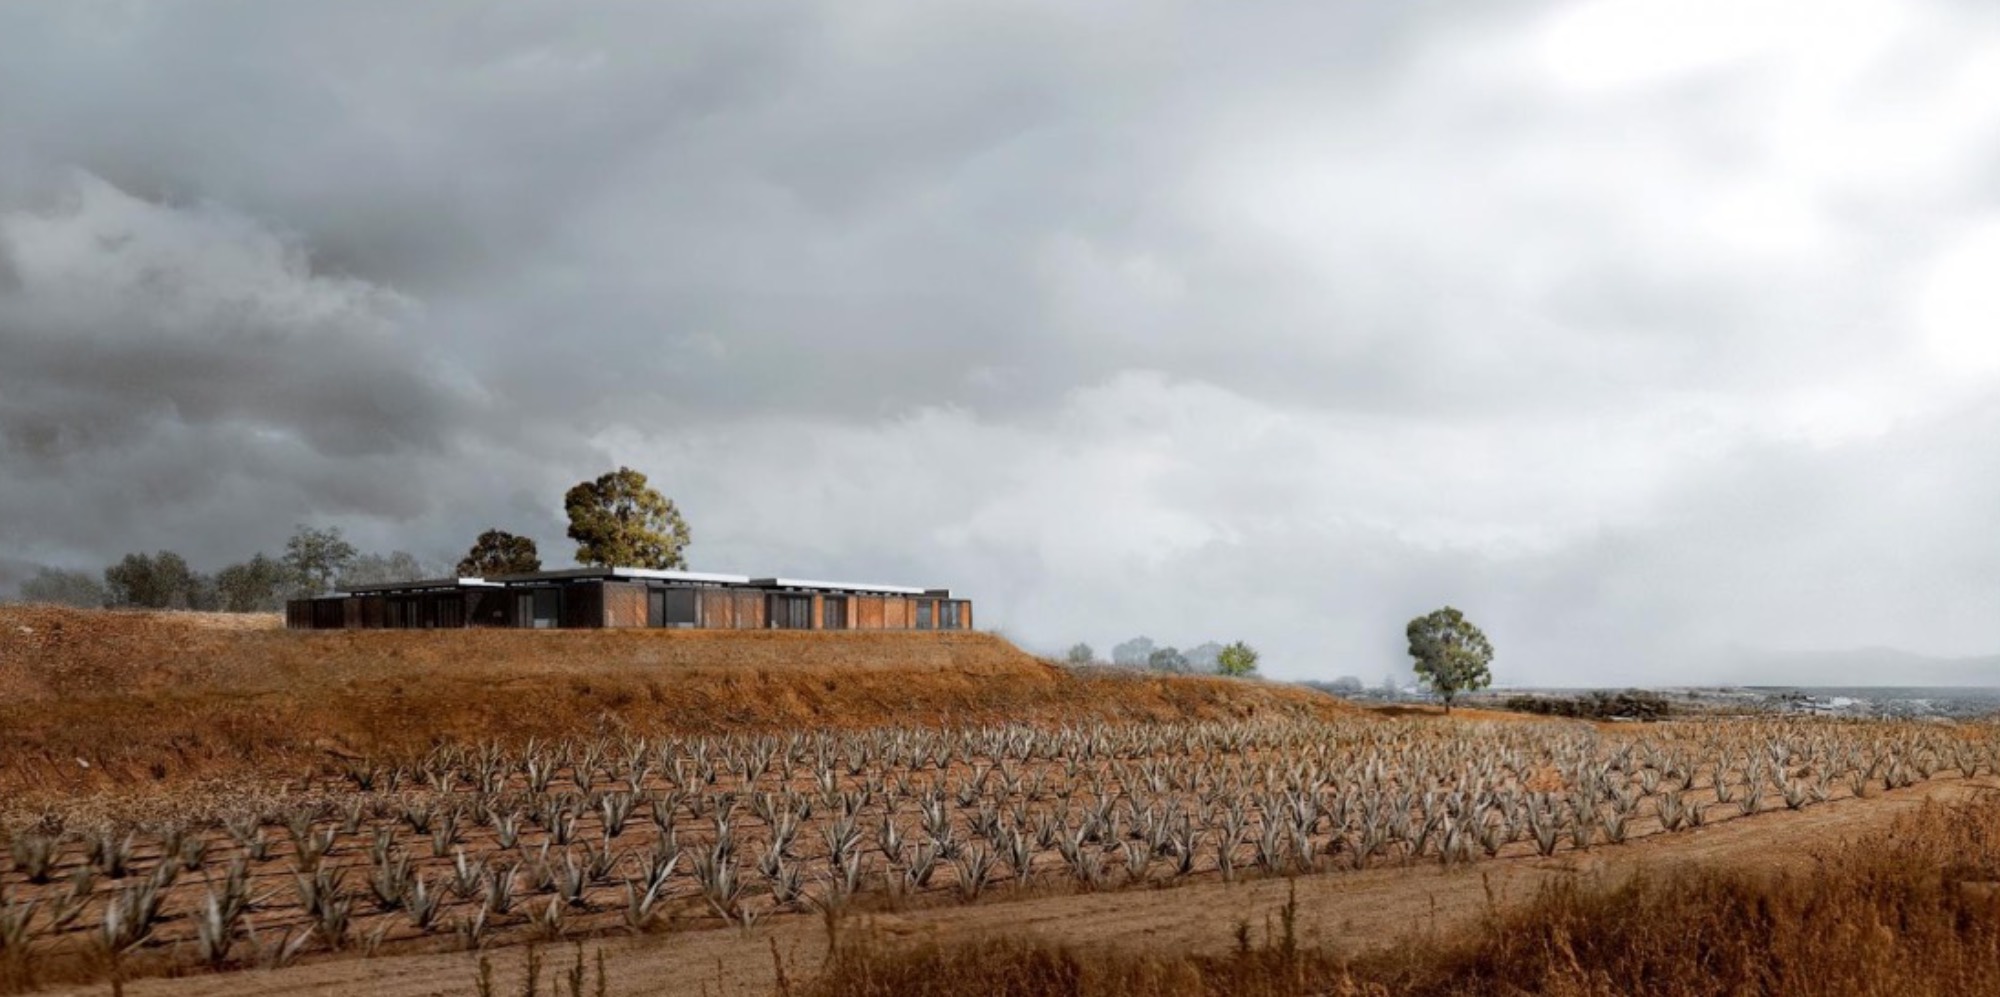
[(1351, 912), (96, 700), (391, 798)]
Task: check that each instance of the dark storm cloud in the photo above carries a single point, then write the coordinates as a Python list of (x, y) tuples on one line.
[(1274, 321)]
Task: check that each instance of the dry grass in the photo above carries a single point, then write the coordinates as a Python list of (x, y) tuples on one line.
[(1912, 912), (95, 700)]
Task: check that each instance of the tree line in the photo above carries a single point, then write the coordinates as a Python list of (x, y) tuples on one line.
[(616, 519), (1236, 658), (1452, 657)]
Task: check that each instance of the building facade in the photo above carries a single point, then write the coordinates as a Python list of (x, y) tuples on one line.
[(631, 598)]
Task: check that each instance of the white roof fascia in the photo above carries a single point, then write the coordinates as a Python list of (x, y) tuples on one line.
[(680, 576), (428, 583), (804, 583)]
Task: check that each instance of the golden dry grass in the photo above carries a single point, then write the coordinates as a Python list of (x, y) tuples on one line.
[(1912, 911), (96, 699)]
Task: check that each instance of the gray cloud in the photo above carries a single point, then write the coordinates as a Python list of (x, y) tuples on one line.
[(1636, 338)]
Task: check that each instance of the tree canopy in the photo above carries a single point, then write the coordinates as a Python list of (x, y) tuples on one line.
[(618, 521), (498, 552), (1452, 654), (376, 569), (1238, 659), (64, 588), (1167, 659), (316, 557), (1133, 652), (254, 586), (153, 581)]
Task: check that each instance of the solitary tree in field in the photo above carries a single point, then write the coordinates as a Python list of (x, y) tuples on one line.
[(1081, 654), (619, 522), (1452, 655), (498, 552), (1238, 659)]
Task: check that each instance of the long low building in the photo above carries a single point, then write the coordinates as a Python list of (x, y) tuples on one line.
[(632, 597)]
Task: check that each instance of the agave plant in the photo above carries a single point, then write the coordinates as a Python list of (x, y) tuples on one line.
[(974, 865), (423, 904), (216, 925), (34, 856), (111, 854), (16, 917)]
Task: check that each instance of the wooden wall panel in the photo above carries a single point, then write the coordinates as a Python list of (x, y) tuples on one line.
[(624, 605), (867, 610), (898, 613), (718, 609), (750, 611)]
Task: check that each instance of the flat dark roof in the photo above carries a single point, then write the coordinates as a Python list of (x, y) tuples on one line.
[(640, 574)]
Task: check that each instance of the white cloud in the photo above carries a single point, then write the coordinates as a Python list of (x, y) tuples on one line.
[(1958, 306)]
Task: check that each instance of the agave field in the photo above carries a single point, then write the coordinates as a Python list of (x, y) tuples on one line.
[(477, 844)]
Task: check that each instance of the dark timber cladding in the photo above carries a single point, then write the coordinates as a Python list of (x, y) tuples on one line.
[(632, 598)]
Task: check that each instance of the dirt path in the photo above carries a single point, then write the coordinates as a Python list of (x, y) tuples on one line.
[(1349, 911)]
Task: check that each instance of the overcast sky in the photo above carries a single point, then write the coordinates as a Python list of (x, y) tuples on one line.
[(1641, 332)]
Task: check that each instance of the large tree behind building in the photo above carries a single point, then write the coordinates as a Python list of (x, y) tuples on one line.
[(378, 569), (254, 586), (498, 552), (1452, 654), (317, 557), (618, 521)]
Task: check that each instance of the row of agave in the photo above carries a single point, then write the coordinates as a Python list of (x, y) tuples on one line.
[(586, 834)]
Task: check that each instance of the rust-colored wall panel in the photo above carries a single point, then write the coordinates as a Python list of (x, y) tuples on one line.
[(897, 613), (718, 609), (373, 609), (750, 611), (624, 605), (867, 612), (350, 612), (965, 614), (818, 619)]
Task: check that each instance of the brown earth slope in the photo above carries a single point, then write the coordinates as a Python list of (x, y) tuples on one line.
[(97, 699)]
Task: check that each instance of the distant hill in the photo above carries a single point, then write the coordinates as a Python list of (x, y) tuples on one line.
[(1865, 666)]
